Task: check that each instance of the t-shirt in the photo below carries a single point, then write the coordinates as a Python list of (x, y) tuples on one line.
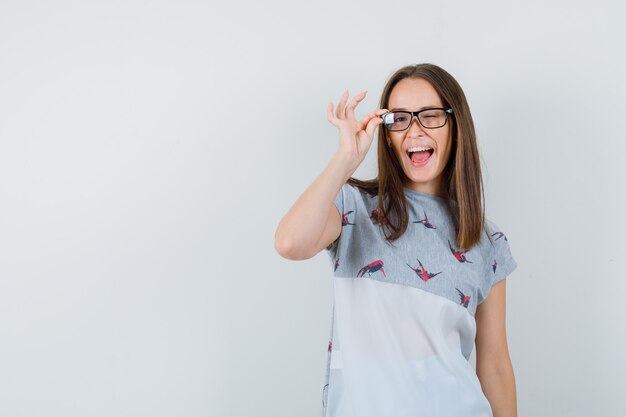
[(403, 327)]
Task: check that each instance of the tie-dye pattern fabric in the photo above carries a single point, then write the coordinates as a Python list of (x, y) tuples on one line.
[(403, 327)]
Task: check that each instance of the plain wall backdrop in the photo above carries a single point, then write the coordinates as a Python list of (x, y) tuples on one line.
[(149, 149)]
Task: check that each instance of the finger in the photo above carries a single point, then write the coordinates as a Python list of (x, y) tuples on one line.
[(369, 115), (340, 111), (329, 112), (371, 126), (355, 101)]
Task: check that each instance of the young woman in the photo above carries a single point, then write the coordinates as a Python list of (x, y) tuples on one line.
[(413, 256)]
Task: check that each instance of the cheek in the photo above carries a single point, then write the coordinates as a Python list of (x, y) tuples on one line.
[(443, 144)]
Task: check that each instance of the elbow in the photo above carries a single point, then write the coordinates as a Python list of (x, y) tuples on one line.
[(281, 244), (286, 249), (282, 247)]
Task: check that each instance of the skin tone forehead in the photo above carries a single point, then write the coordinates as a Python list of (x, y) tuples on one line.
[(413, 94)]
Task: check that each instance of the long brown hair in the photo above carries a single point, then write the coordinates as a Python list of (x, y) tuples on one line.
[(462, 178)]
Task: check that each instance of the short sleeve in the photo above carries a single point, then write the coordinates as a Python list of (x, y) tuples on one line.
[(500, 262), (338, 202)]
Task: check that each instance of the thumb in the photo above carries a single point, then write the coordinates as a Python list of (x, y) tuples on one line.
[(371, 125)]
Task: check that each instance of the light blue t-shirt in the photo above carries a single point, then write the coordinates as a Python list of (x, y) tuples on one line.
[(403, 326)]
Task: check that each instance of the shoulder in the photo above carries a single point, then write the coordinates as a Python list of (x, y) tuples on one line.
[(492, 231), (501, 261), (358, 195)]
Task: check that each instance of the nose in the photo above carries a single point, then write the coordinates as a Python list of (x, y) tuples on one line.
[(415, 122)]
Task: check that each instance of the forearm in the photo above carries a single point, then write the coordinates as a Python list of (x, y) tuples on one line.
[(499, 388)]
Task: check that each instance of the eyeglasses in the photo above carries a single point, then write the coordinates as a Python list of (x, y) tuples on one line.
[(432, 118)]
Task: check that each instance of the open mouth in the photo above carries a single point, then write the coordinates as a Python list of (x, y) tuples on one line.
[(420, 158)]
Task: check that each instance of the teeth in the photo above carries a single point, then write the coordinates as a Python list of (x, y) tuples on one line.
[(418, 148)]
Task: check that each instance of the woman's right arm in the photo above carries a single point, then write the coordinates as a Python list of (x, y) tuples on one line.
[(313, 222)]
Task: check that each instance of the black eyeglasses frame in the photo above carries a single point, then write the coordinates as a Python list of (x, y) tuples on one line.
[(416, 113)]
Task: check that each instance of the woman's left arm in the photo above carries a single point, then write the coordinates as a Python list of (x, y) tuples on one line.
[(493, 364)]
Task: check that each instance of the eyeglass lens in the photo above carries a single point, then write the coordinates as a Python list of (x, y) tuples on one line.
[(400, 120)]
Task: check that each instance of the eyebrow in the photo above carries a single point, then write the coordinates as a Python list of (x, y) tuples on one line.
[(421, 108)]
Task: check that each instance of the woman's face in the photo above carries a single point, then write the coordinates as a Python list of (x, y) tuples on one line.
[(413, 94)]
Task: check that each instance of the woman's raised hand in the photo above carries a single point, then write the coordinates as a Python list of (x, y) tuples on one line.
[(355, 137)]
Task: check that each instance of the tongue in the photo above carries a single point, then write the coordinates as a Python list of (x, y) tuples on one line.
[(420, 156)]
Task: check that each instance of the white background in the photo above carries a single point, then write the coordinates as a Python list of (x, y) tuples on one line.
[(149, 149)]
